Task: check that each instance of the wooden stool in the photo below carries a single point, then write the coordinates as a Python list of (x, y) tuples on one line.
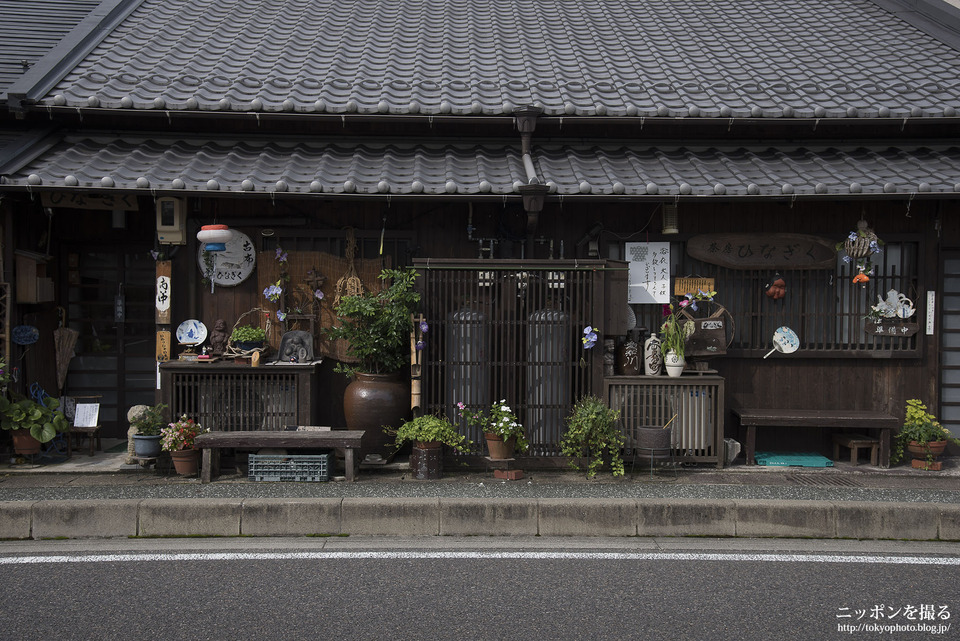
[(855, 442), (92, 433)]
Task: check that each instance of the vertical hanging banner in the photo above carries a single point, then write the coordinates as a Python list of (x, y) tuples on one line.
[(162, 300), (649, 272), (163, 346)]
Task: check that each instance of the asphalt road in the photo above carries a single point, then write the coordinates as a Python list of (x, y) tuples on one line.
[(490, 588)]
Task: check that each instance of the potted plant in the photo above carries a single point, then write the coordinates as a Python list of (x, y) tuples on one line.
[(922, 436), (377, 327), (501, 429), (30, 423), (146, 440), (429, 433), (247, 337), (177, 438), (673, 341), (592, 429)]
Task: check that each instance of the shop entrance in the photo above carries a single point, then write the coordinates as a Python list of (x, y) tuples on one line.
[(108, 299), (950, 344)]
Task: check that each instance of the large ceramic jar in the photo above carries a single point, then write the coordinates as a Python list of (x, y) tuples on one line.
[(372, 401)]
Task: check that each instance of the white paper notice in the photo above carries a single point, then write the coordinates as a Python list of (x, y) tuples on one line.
[(649, 272)]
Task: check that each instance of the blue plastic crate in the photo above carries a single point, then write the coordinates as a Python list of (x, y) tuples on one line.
[(792, 459), (289, 467)]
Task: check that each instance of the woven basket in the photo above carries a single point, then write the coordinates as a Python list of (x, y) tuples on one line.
[(860, 247)]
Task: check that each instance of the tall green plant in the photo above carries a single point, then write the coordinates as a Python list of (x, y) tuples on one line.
[(377, 325), (592, 428)]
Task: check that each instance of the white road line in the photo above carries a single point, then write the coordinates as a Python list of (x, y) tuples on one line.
[(481, 555)]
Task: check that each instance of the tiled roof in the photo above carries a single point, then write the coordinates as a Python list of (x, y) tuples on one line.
[(31, 28), (650, 58), (265, 166)]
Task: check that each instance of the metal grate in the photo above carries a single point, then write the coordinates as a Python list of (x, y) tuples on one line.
[(511, 331), (822, 480), (289, 467)]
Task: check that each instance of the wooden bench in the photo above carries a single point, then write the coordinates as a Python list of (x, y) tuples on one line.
[(752, 418), (211, 442)]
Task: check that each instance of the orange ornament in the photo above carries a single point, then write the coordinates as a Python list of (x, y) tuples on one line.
[(861, 278)]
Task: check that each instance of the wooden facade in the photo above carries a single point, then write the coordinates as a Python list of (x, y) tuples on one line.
[(828, 379)]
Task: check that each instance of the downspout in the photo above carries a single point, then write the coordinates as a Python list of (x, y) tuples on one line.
[(534, 191)]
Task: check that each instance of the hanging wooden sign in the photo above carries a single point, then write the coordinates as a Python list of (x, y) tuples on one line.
[(163, 346), (891, 327), (764, 251), (162, 301)]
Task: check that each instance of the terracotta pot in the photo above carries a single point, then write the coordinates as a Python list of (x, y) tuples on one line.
[(498, 448), (426, 460), (24, 443), (372, 401), (920, 450), (186, 462)]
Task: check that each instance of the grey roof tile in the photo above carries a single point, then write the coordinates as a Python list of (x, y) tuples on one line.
[(264, 166), (31, 28), (750, 58)]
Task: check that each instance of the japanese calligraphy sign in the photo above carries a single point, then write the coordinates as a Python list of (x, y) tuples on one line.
[(763, 251), (163, 346), (162, 300), (80, 200), (890, 327), (232, 266), (649, 272)]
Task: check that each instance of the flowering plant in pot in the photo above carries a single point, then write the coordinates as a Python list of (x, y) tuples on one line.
[(180, 434), (921, 435), (592, 428), (500, 426)]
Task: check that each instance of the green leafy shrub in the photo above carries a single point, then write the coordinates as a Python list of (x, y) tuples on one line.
[(592, 429), (429, 428)]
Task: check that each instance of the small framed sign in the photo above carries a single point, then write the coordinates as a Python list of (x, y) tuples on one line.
[(87, 415)]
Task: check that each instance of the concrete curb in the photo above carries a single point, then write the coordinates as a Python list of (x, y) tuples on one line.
[(479, 517)]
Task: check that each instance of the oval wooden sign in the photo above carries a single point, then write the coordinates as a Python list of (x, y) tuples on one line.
[(764, 251)]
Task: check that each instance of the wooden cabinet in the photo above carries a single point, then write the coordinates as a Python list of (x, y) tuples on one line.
[(237, 397), (694, 403)]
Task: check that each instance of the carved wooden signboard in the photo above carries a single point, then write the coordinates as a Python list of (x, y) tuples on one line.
[(890, 327), (763, 251)]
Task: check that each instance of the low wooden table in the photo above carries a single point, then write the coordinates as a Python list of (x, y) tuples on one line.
[(859, 420), (209, 443)]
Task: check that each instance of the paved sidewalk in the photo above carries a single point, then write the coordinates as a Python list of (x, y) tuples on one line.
[(101, 496)]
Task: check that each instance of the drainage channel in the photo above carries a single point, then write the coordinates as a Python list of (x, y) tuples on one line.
[(818, 480)]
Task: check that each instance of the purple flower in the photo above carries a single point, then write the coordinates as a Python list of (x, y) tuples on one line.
[(273, 292), (281, 315), (420, 345), (589, 337), (424, 327), (281, 255), (318, 294)]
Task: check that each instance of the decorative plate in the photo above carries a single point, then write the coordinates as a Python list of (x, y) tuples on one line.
[(191, 332)]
